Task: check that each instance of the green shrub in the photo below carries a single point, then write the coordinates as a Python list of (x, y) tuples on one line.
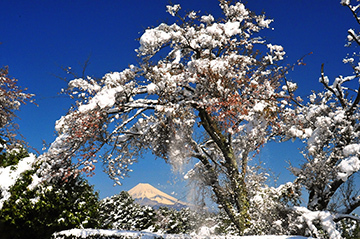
[(49, 207)]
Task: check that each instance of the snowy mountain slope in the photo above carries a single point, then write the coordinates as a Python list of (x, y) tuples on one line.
[(145, 194)]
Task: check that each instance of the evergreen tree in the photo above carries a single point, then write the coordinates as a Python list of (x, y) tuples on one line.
[(120, 212), (171, 221)]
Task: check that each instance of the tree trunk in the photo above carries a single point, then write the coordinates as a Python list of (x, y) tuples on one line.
[(235, 201)]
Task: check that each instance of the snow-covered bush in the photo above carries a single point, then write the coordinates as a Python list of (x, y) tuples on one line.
[(120, 212), (171, 221), (30, 208), (183, 221), (349, 229), (12, 158)]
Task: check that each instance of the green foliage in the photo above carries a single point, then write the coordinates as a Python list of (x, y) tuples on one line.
[(224, 225), (172, 221), (50, 207), (350, 229), (12, 158)]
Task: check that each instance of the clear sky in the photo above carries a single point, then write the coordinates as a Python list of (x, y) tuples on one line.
[(40, 37)]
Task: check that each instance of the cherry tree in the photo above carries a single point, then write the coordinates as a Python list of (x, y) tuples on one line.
[(202, 95), (11, 98)]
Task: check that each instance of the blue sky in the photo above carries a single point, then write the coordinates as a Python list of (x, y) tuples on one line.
[(40, 37)]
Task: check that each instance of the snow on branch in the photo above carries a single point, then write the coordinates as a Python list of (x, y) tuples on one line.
[(325, 219), (329, 126)]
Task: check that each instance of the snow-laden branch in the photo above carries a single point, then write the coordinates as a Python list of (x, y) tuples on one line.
[(329, 127), (326, 220)]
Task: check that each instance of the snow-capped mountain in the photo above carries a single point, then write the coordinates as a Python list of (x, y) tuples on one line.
[(145, 194)]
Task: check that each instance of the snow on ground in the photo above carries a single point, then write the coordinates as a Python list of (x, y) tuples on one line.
[(83, 233)]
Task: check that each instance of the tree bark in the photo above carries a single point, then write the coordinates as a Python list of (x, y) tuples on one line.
[(237, 198)]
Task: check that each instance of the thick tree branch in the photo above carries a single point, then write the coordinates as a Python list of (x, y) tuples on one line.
[(355, 103)]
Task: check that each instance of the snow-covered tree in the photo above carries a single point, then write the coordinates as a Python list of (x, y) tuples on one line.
[(11, 97), (329, 126), (202, 94)]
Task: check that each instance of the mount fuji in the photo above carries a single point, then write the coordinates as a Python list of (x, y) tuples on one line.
[(145, 194)]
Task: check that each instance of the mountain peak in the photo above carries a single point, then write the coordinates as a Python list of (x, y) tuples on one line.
[(146, 194)]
